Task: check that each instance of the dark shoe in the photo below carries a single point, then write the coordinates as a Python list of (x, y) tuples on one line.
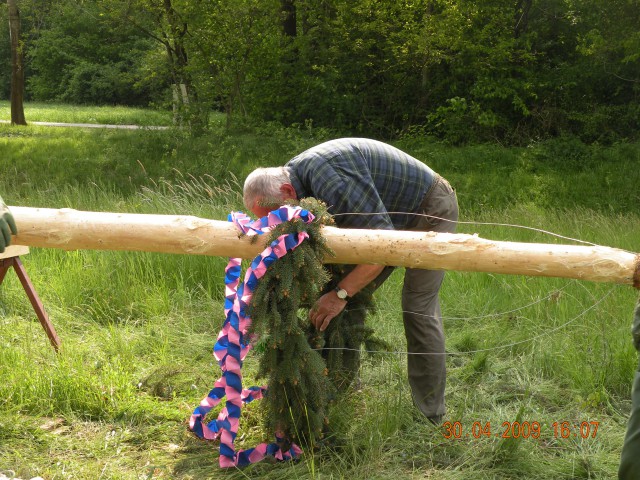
[(437, 420)]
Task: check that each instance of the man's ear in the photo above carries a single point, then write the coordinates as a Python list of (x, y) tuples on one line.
[(288, 192)]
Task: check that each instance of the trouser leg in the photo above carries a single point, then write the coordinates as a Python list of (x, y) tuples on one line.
[(421, 306), (425, 340), (630, 459)]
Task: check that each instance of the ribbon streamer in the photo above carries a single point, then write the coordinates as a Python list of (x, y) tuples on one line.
[(233, 344)]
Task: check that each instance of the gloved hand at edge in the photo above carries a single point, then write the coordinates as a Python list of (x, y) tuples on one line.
[(7, 226)]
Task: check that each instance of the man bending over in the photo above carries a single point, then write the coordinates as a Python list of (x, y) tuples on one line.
[(369, 184)]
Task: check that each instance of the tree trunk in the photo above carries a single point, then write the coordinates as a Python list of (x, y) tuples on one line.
[(288, 8), (17, 71), (72, 230), (521, 17)]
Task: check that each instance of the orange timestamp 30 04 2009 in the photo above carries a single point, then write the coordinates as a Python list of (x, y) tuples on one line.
[(525, 429)]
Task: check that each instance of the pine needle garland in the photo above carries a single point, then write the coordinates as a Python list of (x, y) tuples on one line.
[(299, 387), (305, 368)]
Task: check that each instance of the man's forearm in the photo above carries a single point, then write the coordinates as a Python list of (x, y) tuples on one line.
[(330, 305), (360, 277)]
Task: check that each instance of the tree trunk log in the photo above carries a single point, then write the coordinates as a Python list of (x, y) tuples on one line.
[(73, 230), (17, 70)]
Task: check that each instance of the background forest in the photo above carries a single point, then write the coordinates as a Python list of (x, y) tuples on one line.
[(465, 71)]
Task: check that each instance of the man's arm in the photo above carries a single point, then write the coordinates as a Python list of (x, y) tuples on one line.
[(345, 184), (329, 305), (7, 226)]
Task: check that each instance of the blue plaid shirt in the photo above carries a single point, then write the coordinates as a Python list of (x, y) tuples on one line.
[(361, 176)]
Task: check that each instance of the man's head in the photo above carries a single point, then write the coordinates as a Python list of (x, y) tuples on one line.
[(266, 189)]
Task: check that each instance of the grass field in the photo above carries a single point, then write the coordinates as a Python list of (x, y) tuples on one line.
[(47, 112), (138, 328)]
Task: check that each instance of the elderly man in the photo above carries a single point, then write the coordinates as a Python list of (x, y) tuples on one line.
[(7, 226), (369, 184)]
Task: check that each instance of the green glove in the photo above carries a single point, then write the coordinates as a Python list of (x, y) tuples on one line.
[(7, 226)]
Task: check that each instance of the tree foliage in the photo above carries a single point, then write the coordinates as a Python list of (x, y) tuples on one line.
[(461, 70), (76, 53)]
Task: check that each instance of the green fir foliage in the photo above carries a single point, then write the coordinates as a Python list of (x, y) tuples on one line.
[(305, 368), (299, 388)]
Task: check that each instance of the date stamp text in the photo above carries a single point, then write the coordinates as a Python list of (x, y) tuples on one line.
[(525, 429)]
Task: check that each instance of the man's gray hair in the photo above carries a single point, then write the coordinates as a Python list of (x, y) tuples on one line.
[(264, 183)]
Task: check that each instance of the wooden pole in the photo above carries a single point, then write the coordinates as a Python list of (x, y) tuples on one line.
[(73, 230)]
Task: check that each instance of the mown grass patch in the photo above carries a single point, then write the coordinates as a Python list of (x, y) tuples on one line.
[(111, 115)]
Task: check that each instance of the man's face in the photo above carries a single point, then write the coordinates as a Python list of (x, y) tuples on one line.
[(260, 210), (262, 206)]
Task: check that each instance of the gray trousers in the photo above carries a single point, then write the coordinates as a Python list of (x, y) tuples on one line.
[(421, 307), (630, 457)]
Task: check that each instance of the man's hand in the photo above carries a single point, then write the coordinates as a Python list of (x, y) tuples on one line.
[(326, 309), (7, 226)]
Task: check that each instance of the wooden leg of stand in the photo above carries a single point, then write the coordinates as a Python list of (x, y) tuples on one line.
[(36, 303), (4, 268)]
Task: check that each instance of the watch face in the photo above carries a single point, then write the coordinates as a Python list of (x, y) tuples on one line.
[(342, 293)]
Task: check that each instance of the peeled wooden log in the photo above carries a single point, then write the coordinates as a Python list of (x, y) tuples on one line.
[(74, 230)]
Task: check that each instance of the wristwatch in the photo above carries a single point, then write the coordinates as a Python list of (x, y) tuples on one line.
[(342, 293)]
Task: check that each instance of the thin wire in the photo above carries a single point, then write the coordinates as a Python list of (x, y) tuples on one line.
[(500, 347), (523, 227), (501, 225), (490, 315)]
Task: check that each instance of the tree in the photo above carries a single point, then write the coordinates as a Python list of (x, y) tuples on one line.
[(164, 22), (289, 18), (79, 54), (17, 69), (236, 51), (173, 40)]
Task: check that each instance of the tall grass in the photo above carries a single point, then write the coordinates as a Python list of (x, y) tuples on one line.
[(137, 328)]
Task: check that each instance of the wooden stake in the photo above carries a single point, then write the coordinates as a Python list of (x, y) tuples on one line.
[(72, 230)]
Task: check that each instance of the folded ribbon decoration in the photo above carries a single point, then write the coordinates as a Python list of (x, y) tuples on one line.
[(233, 343)]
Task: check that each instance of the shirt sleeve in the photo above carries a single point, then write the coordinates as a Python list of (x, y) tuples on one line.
[(344, 183)]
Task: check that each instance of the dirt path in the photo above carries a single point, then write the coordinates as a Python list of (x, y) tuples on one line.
[(92, 125)]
